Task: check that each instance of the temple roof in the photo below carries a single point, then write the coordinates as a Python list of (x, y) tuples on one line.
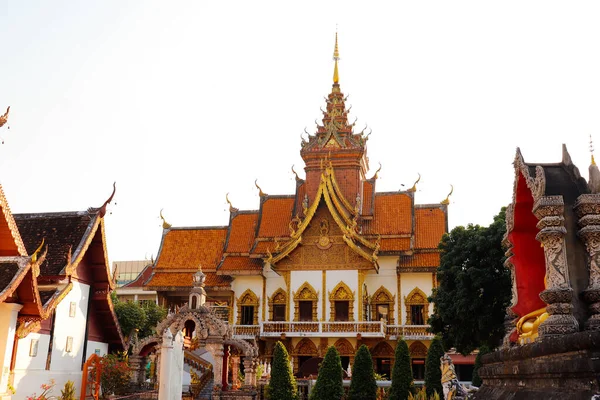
[(188, 248)]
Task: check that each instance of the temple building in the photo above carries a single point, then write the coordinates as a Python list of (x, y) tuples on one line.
[(334, 263), (55, 305)]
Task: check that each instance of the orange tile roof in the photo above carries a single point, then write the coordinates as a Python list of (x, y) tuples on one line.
[(420, 260), (300, 192), (393, 214), (394, 244), (367, 198), (241, 233), (430, 227), (191, 247), (240, 263), (184, 279), (276, 217)]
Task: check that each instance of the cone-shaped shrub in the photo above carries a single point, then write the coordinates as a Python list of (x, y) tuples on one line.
[(282, 385), (476, 379), (363, 385), (402, 377), (329, 384), (433, 371)]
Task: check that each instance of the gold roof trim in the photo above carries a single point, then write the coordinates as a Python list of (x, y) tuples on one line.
[(338, 191)]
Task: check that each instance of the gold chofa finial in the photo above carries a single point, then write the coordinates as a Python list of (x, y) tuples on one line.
[(446, 201), (34, 256), (260, 192), (295, 174), (336, 57), (166, 225), (231, 207), (414, 186), (592, 150), (377, 172)]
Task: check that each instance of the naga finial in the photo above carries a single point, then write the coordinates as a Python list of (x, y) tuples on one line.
[(102, 210), (414, 186), (165, 225), (295, 174), (446, 201), (260, 192), (231, 207), (34, 256), (377, 172), (4, 118)]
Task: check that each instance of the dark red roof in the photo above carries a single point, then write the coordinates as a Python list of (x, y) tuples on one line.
[(141, 278)]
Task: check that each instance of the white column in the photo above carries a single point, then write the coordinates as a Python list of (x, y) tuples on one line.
[(166, 356), (8, 326)]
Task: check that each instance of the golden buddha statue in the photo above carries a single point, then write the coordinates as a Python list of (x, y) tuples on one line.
[(528, 324)]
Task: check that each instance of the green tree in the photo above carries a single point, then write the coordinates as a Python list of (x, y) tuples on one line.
[(282, 385), (433, 371), (362, 384), (130, 315), (402, 377), (474, 287), (329, 384), (476, 378), (154, 314)]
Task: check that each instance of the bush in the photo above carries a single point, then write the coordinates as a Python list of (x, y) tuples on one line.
[(46, 394), (363, 385), (402, 377), (329, 384), (115, 375), (282, 385), (476, 379), (433, 372), (68, 392)]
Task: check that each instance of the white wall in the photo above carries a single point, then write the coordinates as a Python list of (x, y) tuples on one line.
[(65, 326), (315, 279), (350, 278), (242, 283), (24, 361), (411, 280), (386, 278), (93, 346), (28, 382), (8, 323)]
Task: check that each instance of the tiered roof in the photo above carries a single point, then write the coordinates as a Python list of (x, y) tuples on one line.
[(368, 223), (58, 243)]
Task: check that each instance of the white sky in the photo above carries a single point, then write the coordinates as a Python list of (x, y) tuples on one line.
[(182, 102)]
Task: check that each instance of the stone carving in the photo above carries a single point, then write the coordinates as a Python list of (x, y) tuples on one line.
[(417, 350), (453, 390), (588, 211)]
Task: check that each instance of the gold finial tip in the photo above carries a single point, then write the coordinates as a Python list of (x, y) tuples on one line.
[(165, 224), (336, 57), (592, 150)]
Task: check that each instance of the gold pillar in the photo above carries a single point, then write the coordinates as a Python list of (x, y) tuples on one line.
[(323, 295)]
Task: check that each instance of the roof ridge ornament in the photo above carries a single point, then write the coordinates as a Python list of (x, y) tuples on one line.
[(414, 186), (377, 172), (260, 192), (102, 210), (593, 162), (446, 201), (34, 256), (165, 224), (295, 174), (231, 207), (336, 58)]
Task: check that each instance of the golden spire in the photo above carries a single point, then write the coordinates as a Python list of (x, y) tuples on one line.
[(336, 57), (592, 150)]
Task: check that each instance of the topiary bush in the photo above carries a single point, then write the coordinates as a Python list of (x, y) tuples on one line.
[(402, 377), (282, 385), (433, 372), (362, 384), (329, 384)]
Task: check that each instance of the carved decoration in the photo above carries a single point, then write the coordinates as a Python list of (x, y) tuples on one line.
[(324, 242), (248, 298), (344, 347), (279, 297), (341, 292), (382, 350), (416, 297), (383, 297), (305, 347), (305, 293), (417, 350)]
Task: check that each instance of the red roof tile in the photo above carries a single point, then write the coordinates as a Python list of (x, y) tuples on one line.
[(394, 244), (393, 214), (233, 264), (420, 260), (276, 217), (241, 232), (367, 198), (430, 227), (184, 279), (188, 248)]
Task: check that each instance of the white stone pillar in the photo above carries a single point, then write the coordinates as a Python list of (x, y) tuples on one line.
[(168, 369), (8, 326)]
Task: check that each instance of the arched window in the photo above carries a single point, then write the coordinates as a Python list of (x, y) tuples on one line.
[(383, 358), (305, 303), (194, 302), (247, 308), (341, 300), (382, 305), (417, 307), (304, 351), (278, 310)]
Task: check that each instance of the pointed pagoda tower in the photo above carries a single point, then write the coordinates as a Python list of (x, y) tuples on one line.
[(336, 142)]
